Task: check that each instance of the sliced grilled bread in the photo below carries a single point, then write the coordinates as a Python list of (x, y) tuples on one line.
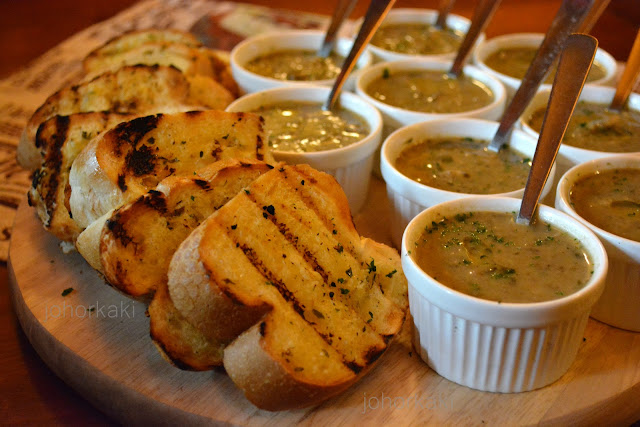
[(139, 90), (190, 60), (132, 39), (132, 158), (133, 246), (325, 303), (60, 139)]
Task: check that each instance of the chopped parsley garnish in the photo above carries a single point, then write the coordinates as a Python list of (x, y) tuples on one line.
[(371, 266)]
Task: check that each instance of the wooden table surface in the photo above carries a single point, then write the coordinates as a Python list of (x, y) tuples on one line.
[(29, 392)]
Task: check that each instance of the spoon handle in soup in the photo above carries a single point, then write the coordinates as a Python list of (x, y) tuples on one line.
[(629, 76), (481, 18), (575, 62), (443, 11), (376, 12), (343, 10), (569, 15)]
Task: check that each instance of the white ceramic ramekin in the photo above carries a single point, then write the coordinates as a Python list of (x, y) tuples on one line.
[(569, 156), (409, 197), (263, 44), (396, 117), (498, 347), (619, 304), (350, 165), (417, 16), (492, 45)]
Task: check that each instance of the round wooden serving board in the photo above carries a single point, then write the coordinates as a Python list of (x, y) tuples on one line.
[(97, 340)]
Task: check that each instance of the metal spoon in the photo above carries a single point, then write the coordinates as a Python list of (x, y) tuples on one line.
[(592, 17), (343, 10), (575, 62), (443, 12), (376, 12), (568, 17), (481, 17), (628, 78)]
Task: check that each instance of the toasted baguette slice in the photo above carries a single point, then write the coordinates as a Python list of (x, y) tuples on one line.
[(136, 242), (127, 161), (334, 300), (189, 60), (60, 139), (133, 39), (139, 90), (163, 47)]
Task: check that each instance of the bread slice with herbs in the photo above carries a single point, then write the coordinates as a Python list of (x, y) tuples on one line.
[(189, 58), (133, 39), (138, 90), (125, 162), (60, 139), (132, 247), (325, 303)]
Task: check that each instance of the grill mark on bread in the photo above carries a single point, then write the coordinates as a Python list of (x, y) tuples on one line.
[(140, 160), (290, 298), (259, 145), (132, 132), (259, 141), (50, 183), (155, 200), (310, 204), (299, 308), (371, 352), (116, 228), (287, 295), (201, 183), (293, 240)]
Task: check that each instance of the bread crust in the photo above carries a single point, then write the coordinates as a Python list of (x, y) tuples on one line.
[(177, 340)]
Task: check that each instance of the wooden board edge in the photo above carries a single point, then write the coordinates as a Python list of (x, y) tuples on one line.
[(102, 391)]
